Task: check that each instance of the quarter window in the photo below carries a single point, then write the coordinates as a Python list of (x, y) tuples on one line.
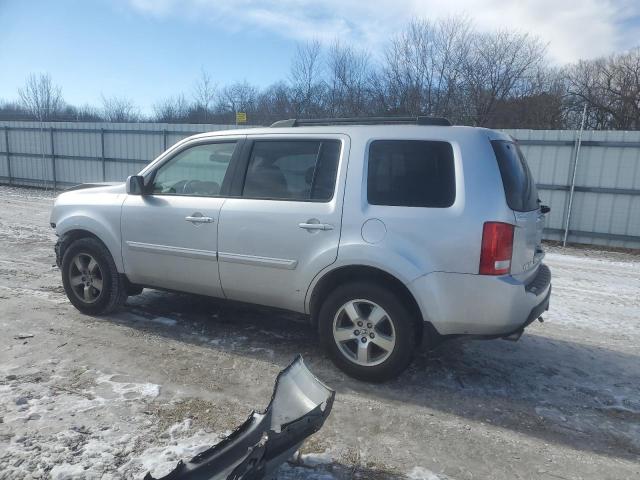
[(196, 171), (411, 173), (292, 170)]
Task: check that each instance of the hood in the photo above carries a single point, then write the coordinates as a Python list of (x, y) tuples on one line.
[(104, 187)]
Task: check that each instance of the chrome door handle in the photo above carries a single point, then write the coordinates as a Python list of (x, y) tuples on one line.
[(199, 219), (316, 226)]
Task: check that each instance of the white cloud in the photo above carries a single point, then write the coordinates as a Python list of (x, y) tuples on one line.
[(573, 28)]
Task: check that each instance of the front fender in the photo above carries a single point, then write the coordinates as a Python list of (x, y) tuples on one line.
[(105, 227)]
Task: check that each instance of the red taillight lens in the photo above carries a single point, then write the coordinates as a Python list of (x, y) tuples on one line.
[(497, 247)]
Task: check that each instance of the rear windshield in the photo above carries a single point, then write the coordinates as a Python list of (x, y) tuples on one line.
[(411, 173), (519, 186)]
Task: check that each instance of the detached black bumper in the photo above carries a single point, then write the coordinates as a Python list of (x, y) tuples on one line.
[(299, 406)]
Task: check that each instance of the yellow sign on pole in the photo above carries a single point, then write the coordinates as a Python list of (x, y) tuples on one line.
[(241, 117)]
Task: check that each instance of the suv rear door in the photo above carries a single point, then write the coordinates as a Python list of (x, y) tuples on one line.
[(282, 224), (522, 197)]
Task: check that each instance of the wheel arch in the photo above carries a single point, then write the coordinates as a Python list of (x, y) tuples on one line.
[(70, 236), (352, 273), (99, 225)]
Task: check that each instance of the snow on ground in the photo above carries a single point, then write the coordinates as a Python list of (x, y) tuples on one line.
[(112, 397), (598, 293), (98, 444)]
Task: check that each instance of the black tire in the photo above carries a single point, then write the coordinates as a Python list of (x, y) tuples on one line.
[(113, 291), (400, 316)]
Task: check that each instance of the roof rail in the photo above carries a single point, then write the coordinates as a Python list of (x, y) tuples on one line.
[(297, 122)]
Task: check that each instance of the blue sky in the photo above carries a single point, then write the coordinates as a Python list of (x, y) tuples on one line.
[(150, 49)]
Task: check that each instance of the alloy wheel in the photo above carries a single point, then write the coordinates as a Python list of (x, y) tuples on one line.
[(85, 278), (364, 332)]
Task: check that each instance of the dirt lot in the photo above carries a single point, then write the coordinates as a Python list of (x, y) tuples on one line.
[(107, 398)]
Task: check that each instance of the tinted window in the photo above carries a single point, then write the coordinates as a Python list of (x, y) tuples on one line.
[(519, 186), (197, 171), (292, 170), (411, 173)]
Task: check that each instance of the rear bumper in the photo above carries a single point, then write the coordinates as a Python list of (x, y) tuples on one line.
[(536, 312), (464, 304)]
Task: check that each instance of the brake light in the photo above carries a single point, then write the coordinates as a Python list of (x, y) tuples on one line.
[(497, 247)]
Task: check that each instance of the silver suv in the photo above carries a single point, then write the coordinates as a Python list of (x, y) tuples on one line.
[(387, 233)]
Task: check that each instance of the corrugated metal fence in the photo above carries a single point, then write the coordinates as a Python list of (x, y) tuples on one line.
[(60, 154), (606, 198)]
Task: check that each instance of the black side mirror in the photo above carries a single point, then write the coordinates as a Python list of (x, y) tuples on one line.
[(135, 185), (545, 209)]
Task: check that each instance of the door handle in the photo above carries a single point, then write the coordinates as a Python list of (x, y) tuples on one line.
[(315, 226), (198, 219)]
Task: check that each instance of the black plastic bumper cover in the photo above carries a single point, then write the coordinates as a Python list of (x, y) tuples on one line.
[(298, 408)]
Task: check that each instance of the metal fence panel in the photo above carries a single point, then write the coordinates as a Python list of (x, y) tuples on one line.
[(4, 162), (606, 199), (606, 204)]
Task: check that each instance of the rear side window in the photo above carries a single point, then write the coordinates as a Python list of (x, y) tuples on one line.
[(292, 170), (519, 186), (411, 173)]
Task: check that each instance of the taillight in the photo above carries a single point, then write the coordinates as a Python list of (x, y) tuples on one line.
[(497, 247)]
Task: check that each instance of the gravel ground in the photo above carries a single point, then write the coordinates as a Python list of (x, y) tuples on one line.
[(113, 397)]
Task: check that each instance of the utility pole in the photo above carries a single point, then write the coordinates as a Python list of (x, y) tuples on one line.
[(573, 177)]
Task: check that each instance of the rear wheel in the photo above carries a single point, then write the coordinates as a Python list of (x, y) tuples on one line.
[(90, 277), (367, 331)]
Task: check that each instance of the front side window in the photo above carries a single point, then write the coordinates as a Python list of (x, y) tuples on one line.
[(411, 173), (292, 170), (196, 171)]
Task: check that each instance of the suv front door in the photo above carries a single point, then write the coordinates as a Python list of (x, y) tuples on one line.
[(282, 226), (169, 235)]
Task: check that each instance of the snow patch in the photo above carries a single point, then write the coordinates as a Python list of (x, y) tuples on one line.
[(161, 460), (421, 473), (67, 471), (315, 459), (128, 390), (169, 322)]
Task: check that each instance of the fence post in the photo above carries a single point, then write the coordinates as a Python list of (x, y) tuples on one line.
[(164, 140), (53, 159), (104, 167), (6, 142), (573, 177)]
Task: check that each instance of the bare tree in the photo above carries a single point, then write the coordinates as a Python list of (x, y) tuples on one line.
[(611, 89), (347, 81), (204, 93), (172, 109), (423, 66), (543, 106), (40, 97), (442, 68), (84, 113), (499, 66), (275, 103), (306, 77), (238, 97), (119, 109)]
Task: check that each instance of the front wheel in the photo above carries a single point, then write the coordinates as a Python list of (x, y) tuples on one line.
[(367, 331), (90, 277)]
